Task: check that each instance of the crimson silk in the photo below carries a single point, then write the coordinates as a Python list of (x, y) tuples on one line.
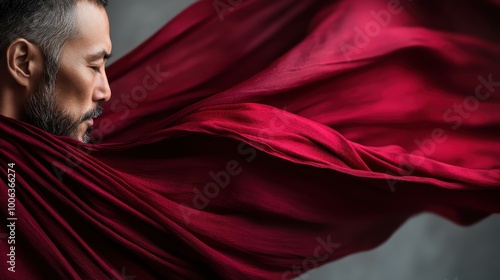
[(264, 140)]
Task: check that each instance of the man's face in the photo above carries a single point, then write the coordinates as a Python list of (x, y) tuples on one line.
[(69, 106)]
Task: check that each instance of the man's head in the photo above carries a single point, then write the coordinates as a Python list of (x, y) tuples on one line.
[(53, 54)]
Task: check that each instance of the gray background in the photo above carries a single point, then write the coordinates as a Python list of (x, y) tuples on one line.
[(426, 247)]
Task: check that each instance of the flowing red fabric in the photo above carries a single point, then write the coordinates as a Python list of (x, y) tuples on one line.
[(260, 139)]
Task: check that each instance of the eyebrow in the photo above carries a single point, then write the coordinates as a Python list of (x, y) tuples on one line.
[(100, 55)]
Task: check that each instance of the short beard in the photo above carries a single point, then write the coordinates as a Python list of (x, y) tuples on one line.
[(42, 111)]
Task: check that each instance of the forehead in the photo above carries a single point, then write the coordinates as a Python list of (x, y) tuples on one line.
[(92, 25)]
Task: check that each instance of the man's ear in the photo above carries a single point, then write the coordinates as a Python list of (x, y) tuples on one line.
[(25, 63)]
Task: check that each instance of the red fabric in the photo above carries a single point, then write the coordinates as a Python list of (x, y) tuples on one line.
[(264, 140)]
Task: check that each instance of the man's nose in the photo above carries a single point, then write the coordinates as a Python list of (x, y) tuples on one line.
[(103, 90)]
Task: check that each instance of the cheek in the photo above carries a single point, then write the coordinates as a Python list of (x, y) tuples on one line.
[(74, 89)]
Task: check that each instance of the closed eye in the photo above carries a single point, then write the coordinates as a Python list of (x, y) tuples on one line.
[(96, 68)]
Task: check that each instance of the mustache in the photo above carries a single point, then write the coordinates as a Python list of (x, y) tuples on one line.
[(92, 114)]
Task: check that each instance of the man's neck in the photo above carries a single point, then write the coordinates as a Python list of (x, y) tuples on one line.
[(10, 106)]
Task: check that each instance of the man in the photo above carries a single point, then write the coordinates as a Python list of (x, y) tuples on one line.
[(53, 63)]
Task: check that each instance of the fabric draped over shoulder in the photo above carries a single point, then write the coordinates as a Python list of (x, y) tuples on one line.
[(260, 139)]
